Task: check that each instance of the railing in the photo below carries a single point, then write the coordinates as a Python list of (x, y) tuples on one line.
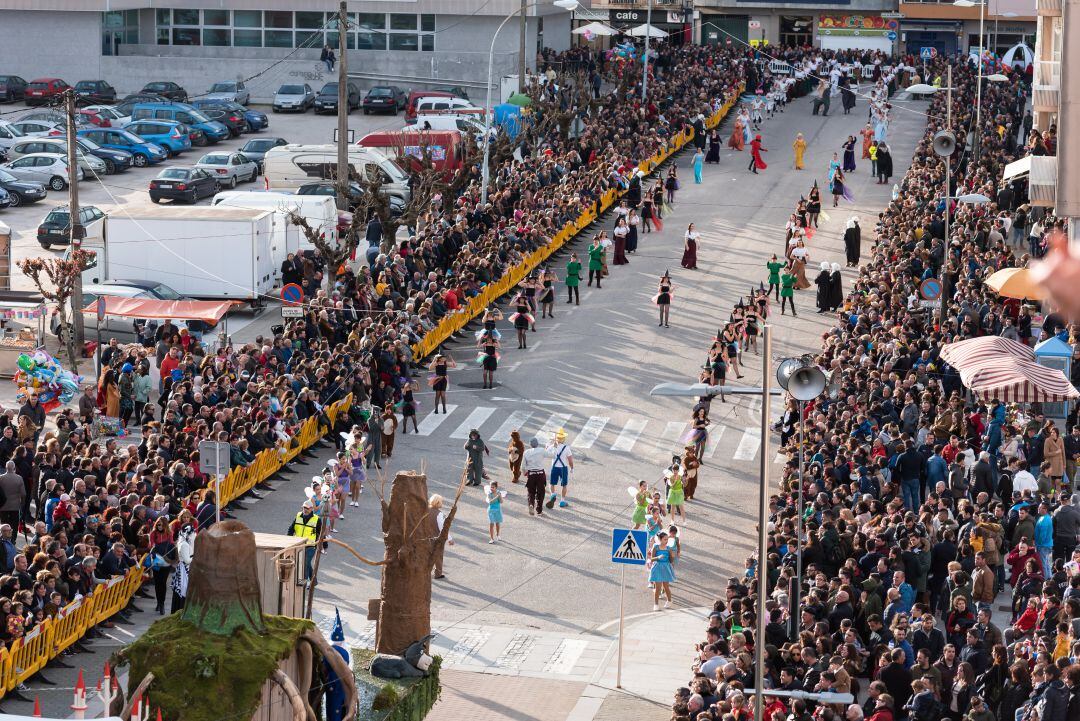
[(35, 650), (454, 322), (45, 642), (1046, 85)]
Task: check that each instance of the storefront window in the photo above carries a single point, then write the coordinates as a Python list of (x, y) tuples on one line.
[(185, 36), (185, 17), (216, 37)]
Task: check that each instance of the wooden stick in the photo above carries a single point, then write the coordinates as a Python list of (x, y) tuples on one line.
[(291, 693), (140, 691), (351, 550), (336, 662)]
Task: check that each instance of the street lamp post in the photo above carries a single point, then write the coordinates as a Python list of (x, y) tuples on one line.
[(978, 71), (645, 60), (568, 5)]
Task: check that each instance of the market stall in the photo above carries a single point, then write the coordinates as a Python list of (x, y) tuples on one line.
[(22, 327)]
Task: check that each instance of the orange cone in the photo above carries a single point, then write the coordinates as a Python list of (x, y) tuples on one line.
[(37, 707)]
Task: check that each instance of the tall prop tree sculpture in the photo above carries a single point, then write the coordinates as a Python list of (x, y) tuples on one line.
[(55, 280), (335, 247)]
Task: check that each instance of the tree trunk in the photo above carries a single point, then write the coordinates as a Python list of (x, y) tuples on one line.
[(223, 592), (411, 539), (389, 236)]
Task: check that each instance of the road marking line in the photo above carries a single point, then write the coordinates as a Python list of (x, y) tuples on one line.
[(565, 656), (592, 430), (629, 435), (715, 434), (516, 420), (434, 420), (748, 445), (671, 436), (475, 420), (552, 424)]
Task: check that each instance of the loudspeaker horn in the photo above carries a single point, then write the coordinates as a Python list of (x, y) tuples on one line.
[(944, 143), (806, 383), (785, 369)]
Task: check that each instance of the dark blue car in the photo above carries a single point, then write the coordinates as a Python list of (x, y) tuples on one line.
[(256, 121)]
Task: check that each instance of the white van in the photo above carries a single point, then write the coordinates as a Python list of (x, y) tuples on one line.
[(462, 123), (447, 106), (318, 210), (290, 166)]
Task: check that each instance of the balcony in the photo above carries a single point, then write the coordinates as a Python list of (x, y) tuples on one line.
[(1042, 182), (1046, 86), (1048, 8)]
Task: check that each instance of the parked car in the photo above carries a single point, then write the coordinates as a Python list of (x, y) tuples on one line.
[(38, 128), (8, 135), (327, 99), (256, 147), (86, 118), (416, 95), (166, 89), (22, 192), (356, 194), (385, 97), (233, 91), (115, 160), (50, 169), (58, 146), (233, 122), (108, 112), (294, 98), (229, 168), (49, 116), (169, 134), (95, 91), (5, 198), (12, 88), (181, 113), (143, 152), (119, 327), (55, 229), (255, 120), (44, 90), (182, 183), (141, 98)]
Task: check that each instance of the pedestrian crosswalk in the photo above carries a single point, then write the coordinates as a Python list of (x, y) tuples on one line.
[(735, 436)]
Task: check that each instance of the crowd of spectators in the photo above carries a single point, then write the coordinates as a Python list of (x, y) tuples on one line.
[(79, 506), (941, 568)]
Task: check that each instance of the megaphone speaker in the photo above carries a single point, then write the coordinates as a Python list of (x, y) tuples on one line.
[(944, 143), (806, 383)]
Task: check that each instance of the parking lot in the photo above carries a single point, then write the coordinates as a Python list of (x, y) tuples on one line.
[(128, 189)]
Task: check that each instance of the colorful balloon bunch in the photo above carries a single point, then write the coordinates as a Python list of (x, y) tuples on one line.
[(40, 372)]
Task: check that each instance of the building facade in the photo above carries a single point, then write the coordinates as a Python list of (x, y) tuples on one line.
[(950, 29), (422, 43)]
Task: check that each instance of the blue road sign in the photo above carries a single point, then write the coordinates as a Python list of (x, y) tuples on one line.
[(292, 294), (927, 53), (628, 546), (930, 289)]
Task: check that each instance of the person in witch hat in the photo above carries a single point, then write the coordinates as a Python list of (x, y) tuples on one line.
[(336, 697)]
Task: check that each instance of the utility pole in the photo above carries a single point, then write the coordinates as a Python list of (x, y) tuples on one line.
[(943, 310), (763, 522), (645, 60), (522, 34), (343, 110), (78, 232)]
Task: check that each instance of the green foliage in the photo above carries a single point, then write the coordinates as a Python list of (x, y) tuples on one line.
[(200, 676), (386, 698)]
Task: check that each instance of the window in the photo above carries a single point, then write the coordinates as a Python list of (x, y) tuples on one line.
[(218, 18), (247, 18), (247, 38), (400, 21), (119, 27), (216, 37), (277, 39), (309, 20), (427, 23), (185, 17), (185, 36), (278, 19)]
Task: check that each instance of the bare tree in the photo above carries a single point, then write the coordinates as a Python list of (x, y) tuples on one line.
[(55, 280), (335, 247)]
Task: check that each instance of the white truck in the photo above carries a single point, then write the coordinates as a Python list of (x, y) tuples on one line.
[(201, 252), (318, 210)]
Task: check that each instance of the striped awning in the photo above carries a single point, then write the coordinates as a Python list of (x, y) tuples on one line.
[(971, 353), (1012, 380)]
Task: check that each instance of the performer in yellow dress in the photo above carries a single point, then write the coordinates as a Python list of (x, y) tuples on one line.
[(799, 146)]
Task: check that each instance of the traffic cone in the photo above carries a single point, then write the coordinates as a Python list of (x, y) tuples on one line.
[(37, 707)]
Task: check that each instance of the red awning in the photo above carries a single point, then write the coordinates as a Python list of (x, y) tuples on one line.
[(1012, 380), (974, 352), (209, 311)]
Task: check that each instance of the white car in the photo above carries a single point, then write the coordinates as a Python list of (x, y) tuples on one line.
[(29, 146), (115, 117), (38, 128), (229, 168), (9, 135), (49, 169)]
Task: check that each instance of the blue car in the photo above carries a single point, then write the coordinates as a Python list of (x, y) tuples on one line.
[(181, 113), (168, 134), (143, 151), (256, 121)]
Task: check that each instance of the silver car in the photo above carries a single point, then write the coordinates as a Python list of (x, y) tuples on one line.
[(229, 168), (49, 169), (38, 128), (294, 98), (234, 91), (29, 146)]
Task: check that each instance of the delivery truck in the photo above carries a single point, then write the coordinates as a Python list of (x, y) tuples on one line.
[(201, 252)]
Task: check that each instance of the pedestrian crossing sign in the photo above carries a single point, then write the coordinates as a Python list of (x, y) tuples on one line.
[(628, 546)]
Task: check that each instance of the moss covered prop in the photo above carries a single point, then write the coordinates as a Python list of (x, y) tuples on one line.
[(200, 676), (223, 592), (410, 698)]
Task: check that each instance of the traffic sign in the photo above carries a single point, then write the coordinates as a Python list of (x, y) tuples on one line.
[(292, 294), (292, 311), (214, 457), (101, 308), (927, 53), (628, 546), (930, 289)]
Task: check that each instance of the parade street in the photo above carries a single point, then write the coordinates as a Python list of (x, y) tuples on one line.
[(590, 371)]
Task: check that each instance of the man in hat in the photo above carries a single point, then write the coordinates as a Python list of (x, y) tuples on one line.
[(561, 465), (307, 525)]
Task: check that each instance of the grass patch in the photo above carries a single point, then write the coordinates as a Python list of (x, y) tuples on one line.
[(383, 699)]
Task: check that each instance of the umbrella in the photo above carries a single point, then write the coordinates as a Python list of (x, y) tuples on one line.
[(596, 29), (641, 30), (1015, 283), (1018, 54), (520, 99)]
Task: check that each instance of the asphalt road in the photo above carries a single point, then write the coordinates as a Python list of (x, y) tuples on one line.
[(590, 371)]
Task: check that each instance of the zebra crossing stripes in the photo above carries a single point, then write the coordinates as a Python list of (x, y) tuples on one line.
[(434, 420), (475, 420), (629, 435), (590, 432), (516, 420), (748, 445), (552, 424), (716, 434)]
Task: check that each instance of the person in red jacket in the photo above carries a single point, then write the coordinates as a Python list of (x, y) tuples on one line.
[(884, 709), (1018, 558), (169, 363)]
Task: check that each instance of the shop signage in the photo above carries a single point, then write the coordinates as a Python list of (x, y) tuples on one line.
[(857, 25), (627, 16)]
